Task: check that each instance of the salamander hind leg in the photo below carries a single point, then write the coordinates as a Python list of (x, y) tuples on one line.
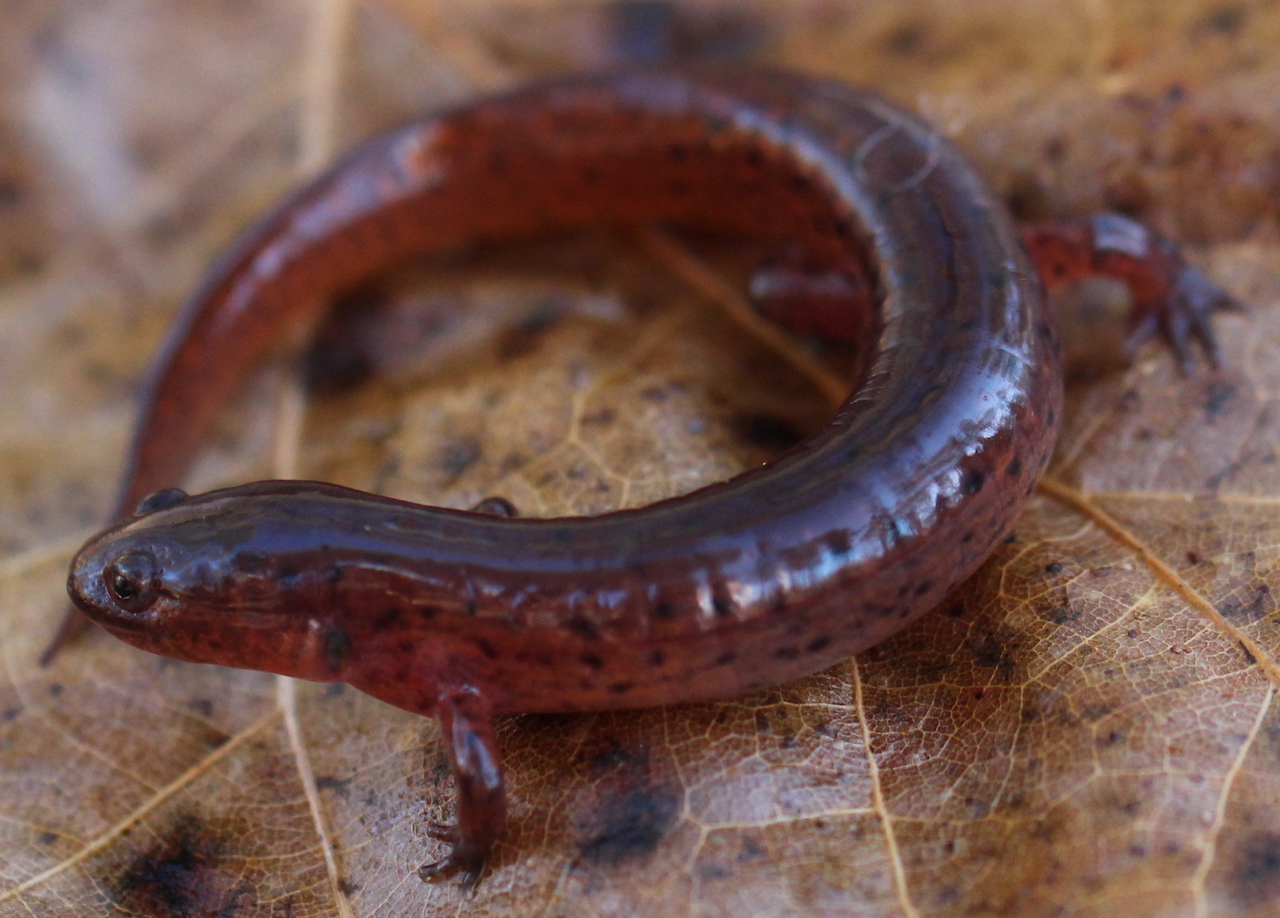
[(1170, 297), (477, 773)]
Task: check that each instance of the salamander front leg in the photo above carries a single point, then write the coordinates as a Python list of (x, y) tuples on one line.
[(477, 773)]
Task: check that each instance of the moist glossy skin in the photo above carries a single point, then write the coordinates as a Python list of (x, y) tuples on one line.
[(774, 574)]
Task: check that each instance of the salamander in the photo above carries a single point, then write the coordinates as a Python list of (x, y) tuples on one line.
[(779, 572)]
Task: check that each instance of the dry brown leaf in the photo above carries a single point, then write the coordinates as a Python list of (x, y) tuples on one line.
[(1089, 727)]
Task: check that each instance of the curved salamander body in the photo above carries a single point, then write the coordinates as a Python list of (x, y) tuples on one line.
[(779, 572)]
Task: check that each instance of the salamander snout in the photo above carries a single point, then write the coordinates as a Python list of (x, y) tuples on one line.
[(117, 585)]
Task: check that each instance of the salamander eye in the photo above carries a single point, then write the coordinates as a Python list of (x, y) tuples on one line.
[(132, 580)]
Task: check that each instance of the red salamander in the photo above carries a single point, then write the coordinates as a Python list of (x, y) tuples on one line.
[(774, 574)]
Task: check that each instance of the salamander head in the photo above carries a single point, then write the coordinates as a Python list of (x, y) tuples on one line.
[(204, 579)]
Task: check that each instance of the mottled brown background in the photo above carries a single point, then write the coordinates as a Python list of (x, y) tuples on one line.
[(1089, 727)]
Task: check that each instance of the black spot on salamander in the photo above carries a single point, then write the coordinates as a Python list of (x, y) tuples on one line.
[(337, 645), (754, 158), (924, 586), (621, 688), (819, 644), (388, 618), (470, 608), (786, 653), (839, 542), (766, 431), (10, 714), (657, 658), (250, 561), (726, 658), (628, 826), (183, 873), (487, 648), (664, 610), (1014, 468), (583, 628), (592, 660), (334, 573), (967, 537), (678, 152), (721, 602), (427, 613), (974, 479)]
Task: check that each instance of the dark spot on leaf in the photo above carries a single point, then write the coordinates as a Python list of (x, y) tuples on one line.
[(338, 785), (629, 826), (1255, 877), (458, 455), (1228, 19), (202, 706), (1054, 568), (182, 875), (990, 652), (47, 838), (906, 40)]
